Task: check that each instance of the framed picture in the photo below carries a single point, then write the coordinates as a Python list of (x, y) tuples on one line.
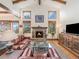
[(39, 18), (27, 14), (52, 15)]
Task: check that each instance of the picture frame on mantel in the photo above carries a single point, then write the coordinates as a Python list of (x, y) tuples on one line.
[(39, 18)]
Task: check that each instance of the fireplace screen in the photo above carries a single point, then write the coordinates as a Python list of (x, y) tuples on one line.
[(39, 34)]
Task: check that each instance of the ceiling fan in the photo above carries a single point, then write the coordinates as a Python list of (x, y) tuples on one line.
[(60, 1), (17, 1)]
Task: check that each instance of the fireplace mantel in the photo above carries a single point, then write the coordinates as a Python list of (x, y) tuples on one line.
[(39, 27), (39, 30)]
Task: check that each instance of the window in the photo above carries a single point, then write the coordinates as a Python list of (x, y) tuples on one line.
[(52, 27), (27, 15), (15, 26), (5, 25), (1, 27), (52, 15), (27, 27)]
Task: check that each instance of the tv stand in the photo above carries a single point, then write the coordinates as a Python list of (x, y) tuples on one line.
[(70, 42)]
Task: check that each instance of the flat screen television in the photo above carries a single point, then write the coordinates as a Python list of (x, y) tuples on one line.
[(72, 28)]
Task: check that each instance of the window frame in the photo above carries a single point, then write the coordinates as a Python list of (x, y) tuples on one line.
[(54, 16), (29, 15)]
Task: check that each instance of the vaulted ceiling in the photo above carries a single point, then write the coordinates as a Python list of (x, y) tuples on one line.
[(15, 6), (18, 1), (21, 3), (69, 8)]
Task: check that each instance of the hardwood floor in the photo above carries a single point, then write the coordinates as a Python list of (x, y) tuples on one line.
[(65, 51)]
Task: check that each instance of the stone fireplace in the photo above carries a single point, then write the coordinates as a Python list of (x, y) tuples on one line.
[(39, 32)]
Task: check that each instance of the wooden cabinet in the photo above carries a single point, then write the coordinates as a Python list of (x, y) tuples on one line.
[(70, 41)]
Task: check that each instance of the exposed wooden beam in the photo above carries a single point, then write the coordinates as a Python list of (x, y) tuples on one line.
[(64, 2), (4, 7), (60, 1), (4, 12), (17, 1)]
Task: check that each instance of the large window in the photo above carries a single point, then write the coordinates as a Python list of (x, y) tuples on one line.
[(5, 25), (51, 27), (15, 26), (27, 27), (52, 15)]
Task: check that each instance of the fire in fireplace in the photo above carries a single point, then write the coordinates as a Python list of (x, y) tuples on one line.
[(39, 34)]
